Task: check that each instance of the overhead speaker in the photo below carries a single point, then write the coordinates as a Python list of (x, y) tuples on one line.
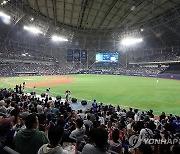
[(74, 100), (58, 97), (43, 95), (84, 102)]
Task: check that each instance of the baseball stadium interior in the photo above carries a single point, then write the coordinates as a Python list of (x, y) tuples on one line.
[(89, 76)]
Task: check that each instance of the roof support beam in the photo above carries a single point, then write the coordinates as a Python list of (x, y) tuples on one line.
[(106, 14), (83, 11), (159, 37), (46, 9), (170, 15), (173, 28), (72, 12), (101, 4), (54, 12), (37, 6), (126, 14), (28, 2), (113, 17), (64, 12), (148, 13), (12, 28), (88, 13)]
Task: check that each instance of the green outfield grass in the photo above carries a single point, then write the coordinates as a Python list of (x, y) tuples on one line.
[(139, 92)]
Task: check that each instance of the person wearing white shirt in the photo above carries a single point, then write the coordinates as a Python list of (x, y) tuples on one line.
[(146, 133), (129, 126), (79, 132), (88, 121), (81, 115), (136, 116), (101, 118)]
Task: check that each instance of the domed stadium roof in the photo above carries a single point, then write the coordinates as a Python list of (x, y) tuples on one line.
[(101, 14), (87, 21)]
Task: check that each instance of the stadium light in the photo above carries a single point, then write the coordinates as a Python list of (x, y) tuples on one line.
[(32, 19), (58, 38), (2, 14), (4, 2), (131, 41), (33, 30)]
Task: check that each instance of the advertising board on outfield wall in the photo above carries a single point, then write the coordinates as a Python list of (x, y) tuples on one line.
[(167, 76)]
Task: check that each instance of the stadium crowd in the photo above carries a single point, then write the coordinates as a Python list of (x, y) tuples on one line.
[(145, 70), (167, 56), (132, 69), (15, 52), (39, 64), (31, 125), (14, 69), (18, 68)]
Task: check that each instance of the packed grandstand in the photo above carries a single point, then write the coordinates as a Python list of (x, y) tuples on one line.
[(36, 124), (15, 61), (32, 125)]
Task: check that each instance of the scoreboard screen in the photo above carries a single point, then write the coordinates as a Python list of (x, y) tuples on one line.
[(107, 57)]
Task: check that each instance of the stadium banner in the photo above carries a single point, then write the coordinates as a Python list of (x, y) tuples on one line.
[(169, 76), (76, 55), (69, 55), (83, 55)]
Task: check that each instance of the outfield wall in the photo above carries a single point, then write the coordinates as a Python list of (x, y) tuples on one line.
[(166, 76)]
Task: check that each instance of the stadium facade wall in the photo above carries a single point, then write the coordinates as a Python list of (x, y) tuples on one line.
[(166, 76)]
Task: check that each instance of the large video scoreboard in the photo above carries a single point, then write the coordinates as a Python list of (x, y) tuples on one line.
[(111, 57)]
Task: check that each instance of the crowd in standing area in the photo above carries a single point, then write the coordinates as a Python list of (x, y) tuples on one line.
[(30, 125)]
